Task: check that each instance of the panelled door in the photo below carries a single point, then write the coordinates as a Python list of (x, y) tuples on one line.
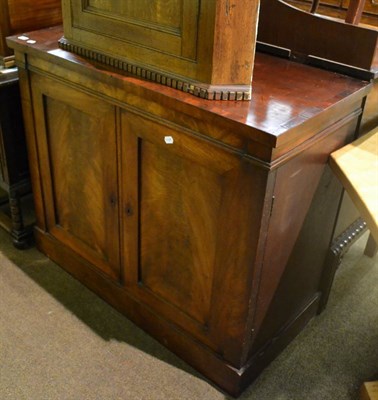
[(184, 205), (76, 140)]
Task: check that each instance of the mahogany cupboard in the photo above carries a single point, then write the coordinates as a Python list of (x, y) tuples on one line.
[(205, 222)]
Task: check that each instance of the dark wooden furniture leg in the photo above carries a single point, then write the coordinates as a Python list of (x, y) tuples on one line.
[(314, 6), (354, 12), (21, 234), (14, 171)]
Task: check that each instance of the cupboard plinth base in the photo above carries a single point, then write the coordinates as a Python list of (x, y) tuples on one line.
[(228, 378)]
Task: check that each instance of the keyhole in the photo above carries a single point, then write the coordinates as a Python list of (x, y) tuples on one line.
[(129, 211)]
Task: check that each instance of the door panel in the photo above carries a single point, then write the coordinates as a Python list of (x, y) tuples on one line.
[(169, 26), (76, 134), (177, 225), (172, 226)]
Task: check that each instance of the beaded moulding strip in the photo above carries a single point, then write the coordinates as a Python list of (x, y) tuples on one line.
[(204, 91), (342, 243)]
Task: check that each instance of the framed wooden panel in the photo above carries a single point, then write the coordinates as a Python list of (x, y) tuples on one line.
[(158, 25), (181, 258), (76, 134)]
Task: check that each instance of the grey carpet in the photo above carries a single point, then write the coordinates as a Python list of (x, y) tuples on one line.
[(60, 341)]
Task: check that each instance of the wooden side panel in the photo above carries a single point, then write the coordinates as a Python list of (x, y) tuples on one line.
[(19, 16), (77, 142), (5, 27), (26, 15), (300, 233)]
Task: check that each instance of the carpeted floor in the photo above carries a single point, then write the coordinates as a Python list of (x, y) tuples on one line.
[(60, 341)]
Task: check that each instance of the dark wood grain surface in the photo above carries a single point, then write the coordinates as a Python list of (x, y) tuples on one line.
[(286, 95), (19, 16)]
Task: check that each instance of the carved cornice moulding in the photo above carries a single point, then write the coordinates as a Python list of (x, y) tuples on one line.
[(204, 91)]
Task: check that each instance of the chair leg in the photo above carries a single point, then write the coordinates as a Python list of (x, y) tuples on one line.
[(371, 247)]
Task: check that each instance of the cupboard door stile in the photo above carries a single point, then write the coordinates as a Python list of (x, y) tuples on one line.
[(129, 210), (76, 138), (32, 148)]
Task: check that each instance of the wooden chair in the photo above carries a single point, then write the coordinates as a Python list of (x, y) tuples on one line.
[(354, 12), (324, 42), (356, 166)]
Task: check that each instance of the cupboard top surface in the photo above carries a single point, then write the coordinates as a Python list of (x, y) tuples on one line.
[(285, 95)]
